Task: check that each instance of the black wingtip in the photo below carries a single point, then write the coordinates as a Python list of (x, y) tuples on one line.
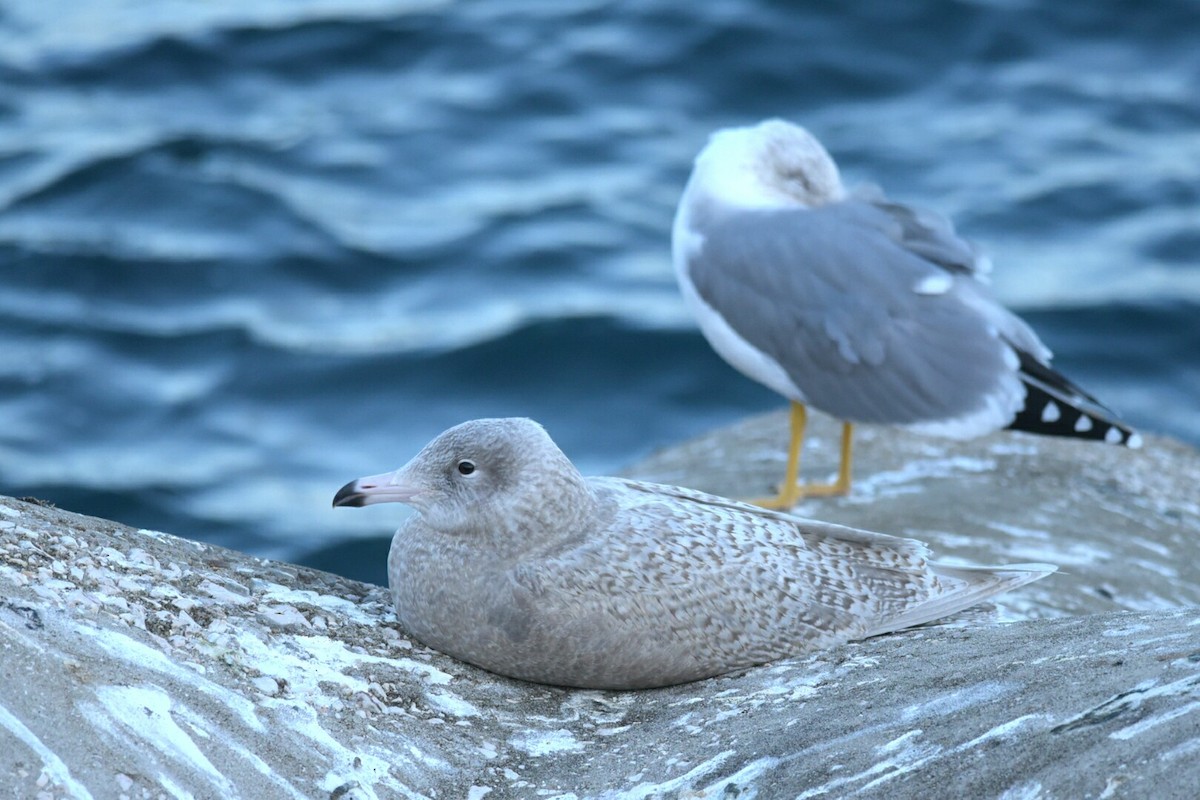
[(1055, 406), (349, 496), (1052, 414)]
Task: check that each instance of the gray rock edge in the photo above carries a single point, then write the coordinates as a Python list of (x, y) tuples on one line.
[(137, 664)]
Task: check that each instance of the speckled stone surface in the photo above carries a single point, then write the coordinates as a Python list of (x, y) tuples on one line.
[(136, 664)]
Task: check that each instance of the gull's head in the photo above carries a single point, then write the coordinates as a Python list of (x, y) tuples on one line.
[(471, 475), (769, 165)]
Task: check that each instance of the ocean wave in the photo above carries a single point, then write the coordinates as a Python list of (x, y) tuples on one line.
[(34, 33), (252, 250)]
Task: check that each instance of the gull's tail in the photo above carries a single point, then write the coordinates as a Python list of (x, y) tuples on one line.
[(958, 588), (1054, 406)]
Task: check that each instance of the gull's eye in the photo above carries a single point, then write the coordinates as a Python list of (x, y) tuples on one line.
[(466, 466)]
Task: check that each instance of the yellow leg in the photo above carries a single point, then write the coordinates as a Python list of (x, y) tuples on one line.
[(792, 490), (842, 484)]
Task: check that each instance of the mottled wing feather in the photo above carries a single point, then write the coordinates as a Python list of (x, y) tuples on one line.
[(729, 583), (961, 588)]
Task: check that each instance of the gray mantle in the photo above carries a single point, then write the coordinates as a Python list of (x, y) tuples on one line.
[(137, 664)]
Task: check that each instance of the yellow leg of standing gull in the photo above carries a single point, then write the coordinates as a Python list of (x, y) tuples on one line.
[(792, 490), (842, 484)]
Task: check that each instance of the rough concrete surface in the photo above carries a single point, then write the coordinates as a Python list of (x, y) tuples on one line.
[(136, 664)]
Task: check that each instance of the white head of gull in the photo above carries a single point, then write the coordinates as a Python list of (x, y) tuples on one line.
[(867, 309), (518, 564)]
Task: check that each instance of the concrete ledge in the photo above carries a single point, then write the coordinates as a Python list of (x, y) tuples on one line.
[(136, 664)]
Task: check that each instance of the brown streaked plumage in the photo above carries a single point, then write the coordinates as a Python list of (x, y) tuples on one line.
[(518, 564)]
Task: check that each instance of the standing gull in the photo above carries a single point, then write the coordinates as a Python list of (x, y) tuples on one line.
[(866, 309), (518, 564)]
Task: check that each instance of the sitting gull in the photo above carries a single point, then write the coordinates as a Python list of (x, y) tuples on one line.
[(518, 564), (867, 309)]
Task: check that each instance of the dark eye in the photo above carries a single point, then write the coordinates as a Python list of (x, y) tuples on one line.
[(466, 466)]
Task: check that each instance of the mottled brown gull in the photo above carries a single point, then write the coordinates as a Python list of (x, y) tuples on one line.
[(865, 308), (518, 564)]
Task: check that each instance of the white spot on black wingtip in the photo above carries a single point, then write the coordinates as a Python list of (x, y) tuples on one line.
[(1113, 435), (1134, 441), (1051, 412), (1083, 424)]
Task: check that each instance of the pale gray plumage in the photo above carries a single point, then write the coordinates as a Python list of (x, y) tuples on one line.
[(867, 309), (855, 336), (520, 565)]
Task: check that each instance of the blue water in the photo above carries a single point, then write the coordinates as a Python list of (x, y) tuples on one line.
[(253, 250)]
